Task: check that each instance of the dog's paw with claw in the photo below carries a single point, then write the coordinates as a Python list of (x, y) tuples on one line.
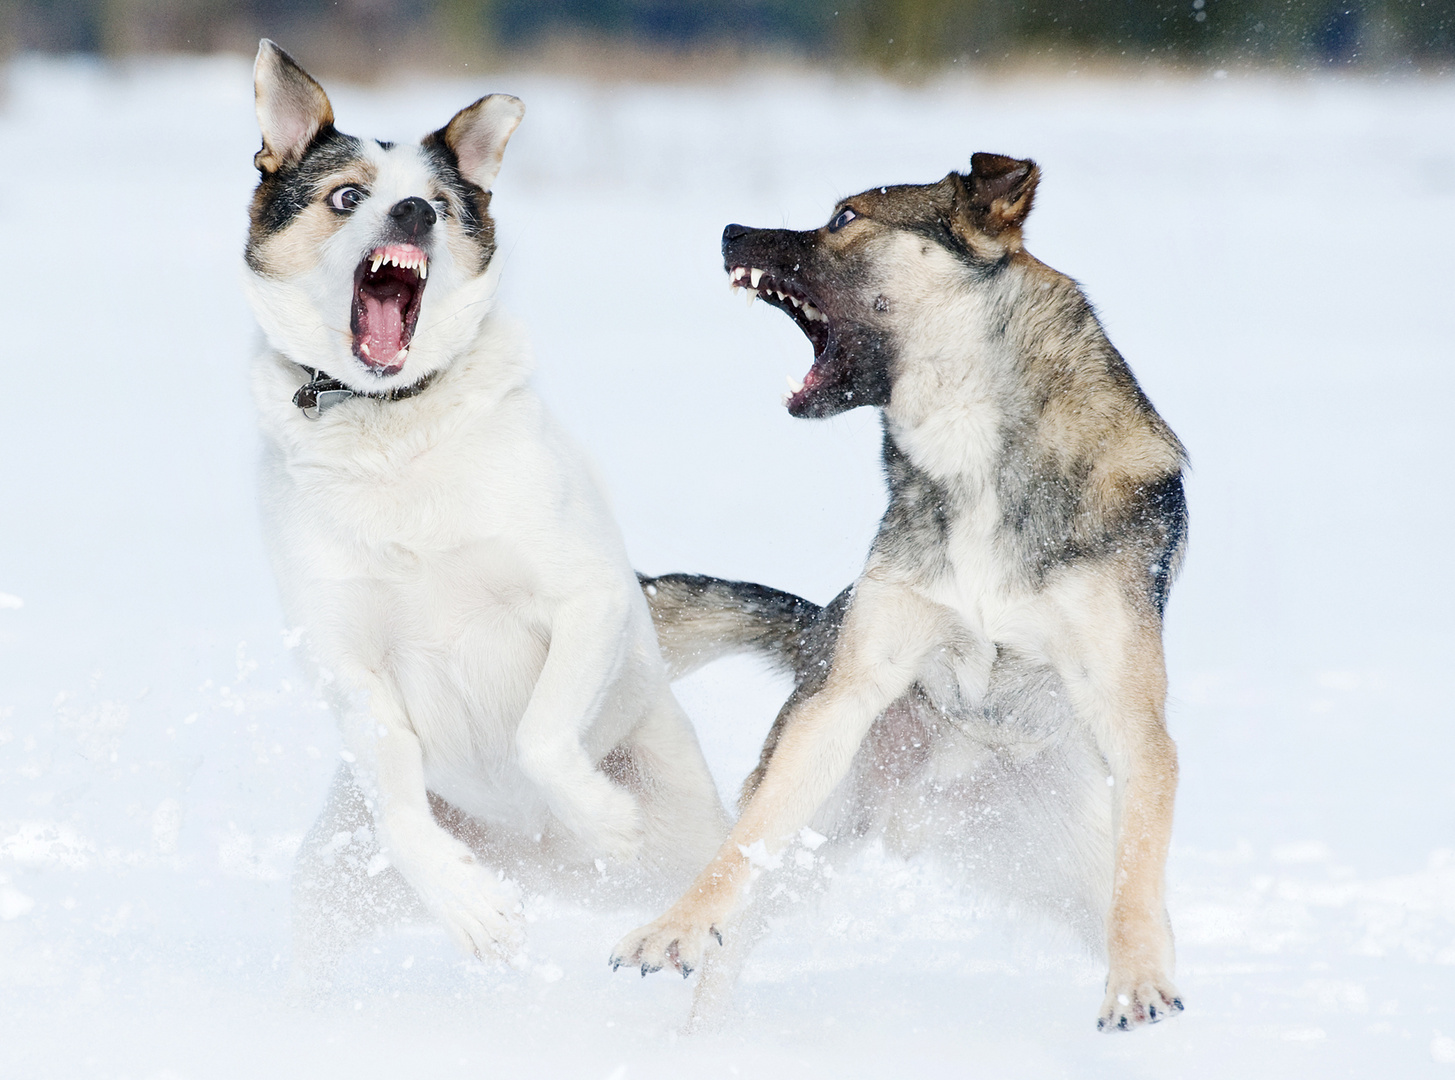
[(482, 914), (672, 941), (1131, 1002)]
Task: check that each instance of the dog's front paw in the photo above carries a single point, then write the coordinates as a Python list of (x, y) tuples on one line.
[(1132, 1001), (482, 914), (675, 940), (612, 825)]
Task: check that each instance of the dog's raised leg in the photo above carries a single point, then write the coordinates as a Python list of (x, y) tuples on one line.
[(888, 632), (1117, 680), (589, 640)]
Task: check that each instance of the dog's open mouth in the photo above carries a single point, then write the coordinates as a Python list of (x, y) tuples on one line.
[(791, 297), (388, 286)]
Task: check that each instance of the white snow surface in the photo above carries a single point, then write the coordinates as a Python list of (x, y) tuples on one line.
[(1274, 257)]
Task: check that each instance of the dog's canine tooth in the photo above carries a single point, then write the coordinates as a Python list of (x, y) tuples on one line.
[(752, 295), (794, 386), (424, 268), (364, 348), (755, 276), (378, 259), (401, 356)]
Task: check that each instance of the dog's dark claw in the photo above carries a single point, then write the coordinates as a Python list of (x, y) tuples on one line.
[(686, 971), (1151, 1014), (1101, 1024), (647, 969), (1123, 1024), (615, 962), (716, 933), (1177, 1004)]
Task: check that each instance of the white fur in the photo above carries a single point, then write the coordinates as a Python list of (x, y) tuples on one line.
[(466, 597)]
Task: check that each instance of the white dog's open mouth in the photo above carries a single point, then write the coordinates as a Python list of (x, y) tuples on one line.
[(388, 286)]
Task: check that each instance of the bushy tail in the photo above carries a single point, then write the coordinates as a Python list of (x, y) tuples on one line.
[(700, 619)]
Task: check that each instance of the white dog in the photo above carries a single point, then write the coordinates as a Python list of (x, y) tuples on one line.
[(465, 592)]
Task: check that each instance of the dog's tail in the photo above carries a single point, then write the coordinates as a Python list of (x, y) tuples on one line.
[(701, 619)]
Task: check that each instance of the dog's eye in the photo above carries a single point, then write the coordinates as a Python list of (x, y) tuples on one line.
[(842, 218), (346, 198)]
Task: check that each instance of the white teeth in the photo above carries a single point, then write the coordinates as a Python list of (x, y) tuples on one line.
[(813, 313), (739, 271), (794, 301), (794, 386), (779, 295), (755, 277), (401, 356), (418, 263), (752, 295), (364, 348)]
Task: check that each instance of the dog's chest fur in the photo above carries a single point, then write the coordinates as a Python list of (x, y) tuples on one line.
[(406, 538), (946, 525)]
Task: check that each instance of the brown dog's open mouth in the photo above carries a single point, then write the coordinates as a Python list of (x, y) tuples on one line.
[(791, 297), (388, 287)]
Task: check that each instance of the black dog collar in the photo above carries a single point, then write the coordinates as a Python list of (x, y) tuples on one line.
[(322, 392)]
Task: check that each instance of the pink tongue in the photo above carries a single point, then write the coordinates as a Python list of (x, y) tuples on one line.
[(383, 329)]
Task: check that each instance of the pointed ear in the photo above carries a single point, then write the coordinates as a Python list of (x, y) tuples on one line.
[(292, 108), (478, 134), (999, 191)]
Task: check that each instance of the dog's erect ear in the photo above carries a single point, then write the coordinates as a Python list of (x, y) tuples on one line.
[(478, 134), (999, 191), (292, 108)]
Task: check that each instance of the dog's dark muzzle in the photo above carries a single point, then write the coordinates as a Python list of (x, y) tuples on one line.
[(745, 246)]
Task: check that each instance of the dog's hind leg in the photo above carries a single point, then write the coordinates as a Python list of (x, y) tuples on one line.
[(683, 816), (342, 892)]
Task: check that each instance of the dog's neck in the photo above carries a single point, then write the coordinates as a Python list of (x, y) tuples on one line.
[(322, 392)]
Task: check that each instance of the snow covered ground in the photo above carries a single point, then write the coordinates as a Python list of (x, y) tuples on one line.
[(1274, 257)]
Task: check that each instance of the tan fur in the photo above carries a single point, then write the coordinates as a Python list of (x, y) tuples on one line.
[(295, 250)]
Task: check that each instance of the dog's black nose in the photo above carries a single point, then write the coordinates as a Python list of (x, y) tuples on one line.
[(733, 232), (413, 215)]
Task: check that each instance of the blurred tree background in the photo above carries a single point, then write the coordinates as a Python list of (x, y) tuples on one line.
[(897, 35)]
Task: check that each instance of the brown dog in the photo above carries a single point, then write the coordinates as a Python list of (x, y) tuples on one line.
[(993, 685)]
